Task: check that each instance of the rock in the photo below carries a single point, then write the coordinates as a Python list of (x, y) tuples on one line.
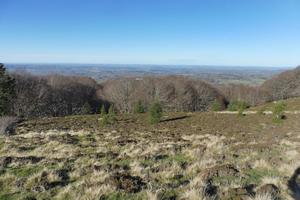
[(131, 184)]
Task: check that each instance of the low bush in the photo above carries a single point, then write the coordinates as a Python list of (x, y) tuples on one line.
[(216, 106), (278, 111), (111, 114), (237, 106), (139, 107), (155, 112), (107, 117)]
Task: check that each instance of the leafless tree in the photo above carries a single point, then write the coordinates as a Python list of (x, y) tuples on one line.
[(252, 95), (175, 93), (284, 85)]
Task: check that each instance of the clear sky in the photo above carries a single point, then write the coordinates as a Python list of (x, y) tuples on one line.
[(208, 32)]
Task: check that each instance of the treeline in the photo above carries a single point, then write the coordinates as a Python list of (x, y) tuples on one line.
[(53, 95), (282, 86), (175, 93), (58, 95), (251, 95)]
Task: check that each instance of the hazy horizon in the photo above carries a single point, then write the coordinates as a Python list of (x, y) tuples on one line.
[(147, 65)]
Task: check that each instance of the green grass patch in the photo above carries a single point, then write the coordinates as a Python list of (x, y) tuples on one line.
[(125, 196), (179, 158), (2, 143), (123, 163), (254, 176), (25, 171), (148, 162), (179, 180), (9, 196), (225, 180), (170, 194)]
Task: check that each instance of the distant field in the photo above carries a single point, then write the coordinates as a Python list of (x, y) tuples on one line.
[(213, 74)]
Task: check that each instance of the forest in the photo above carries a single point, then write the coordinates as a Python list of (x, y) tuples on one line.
[(58, 95)]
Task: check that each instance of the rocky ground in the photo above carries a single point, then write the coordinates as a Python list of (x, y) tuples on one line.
[(186, 156)]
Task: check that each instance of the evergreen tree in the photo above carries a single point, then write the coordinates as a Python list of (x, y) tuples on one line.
[(139, 107), (155, 113), (86, 109), (111, 114), (7, 86)]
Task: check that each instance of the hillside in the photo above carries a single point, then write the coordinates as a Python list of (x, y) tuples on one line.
[(285, 85), (292, 104), (186, 156)]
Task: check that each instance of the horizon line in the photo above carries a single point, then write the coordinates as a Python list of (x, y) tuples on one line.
[(146, 64)]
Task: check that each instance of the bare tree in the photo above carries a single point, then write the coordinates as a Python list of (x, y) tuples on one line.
[(175, 93), (284, 85)]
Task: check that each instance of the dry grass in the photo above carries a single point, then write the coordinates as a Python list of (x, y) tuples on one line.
[(265, 196), (170, 158)]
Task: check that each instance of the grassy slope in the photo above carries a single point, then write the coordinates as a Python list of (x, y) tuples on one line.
[(293, 104), (73, 157)]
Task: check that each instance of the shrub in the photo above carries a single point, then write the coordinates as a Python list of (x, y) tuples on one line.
[(155, 113), (237, 106), (6, 124), (86, 109), (139, 107), (241, 111), (216, 106), (278, 111), (241, 108), (111, 114), (103, 116)]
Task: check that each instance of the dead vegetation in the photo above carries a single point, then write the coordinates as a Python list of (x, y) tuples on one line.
[(186, 156)]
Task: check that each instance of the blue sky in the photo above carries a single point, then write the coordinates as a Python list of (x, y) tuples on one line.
[(208, 32)]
